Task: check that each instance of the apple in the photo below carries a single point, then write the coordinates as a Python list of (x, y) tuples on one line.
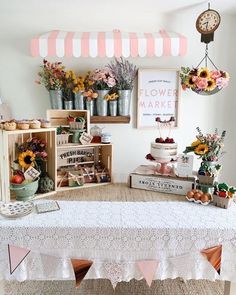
[(222, 194), (18, 179)]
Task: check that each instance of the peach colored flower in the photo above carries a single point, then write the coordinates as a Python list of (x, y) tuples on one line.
[(222, 82), (201, 83), (215, 74)]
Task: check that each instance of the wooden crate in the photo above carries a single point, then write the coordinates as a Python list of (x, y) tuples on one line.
[(59, 117), (8, 154), (74, 154)]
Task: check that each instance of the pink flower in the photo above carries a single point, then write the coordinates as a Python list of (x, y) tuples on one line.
[(201, 83), (111, 82), (215, 74), (222, 82), (43, 154), (195, 79)]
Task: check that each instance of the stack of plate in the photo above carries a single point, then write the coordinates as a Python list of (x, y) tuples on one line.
[(16, 209)]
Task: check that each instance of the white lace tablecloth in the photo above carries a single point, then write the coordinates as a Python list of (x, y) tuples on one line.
[(116, 234)]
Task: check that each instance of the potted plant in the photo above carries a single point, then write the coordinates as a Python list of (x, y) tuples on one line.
[(69, 87), (52, 77), (125, 74), (203, 81), (208, 174), (223, 195), (103, 81), (90, 96), (112, 103)]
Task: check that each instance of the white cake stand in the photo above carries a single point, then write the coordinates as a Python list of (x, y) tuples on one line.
[(164, 166)]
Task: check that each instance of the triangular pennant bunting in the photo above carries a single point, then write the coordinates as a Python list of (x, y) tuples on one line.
[(213, 255), (80, 267), (16, 256), (148, 269)]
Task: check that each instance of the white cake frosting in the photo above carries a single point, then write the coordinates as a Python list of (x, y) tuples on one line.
[(165, 151)]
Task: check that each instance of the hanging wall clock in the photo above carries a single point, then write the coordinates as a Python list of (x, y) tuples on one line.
[(207, 22)]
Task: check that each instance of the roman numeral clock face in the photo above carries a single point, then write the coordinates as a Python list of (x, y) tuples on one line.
[(208, 21)]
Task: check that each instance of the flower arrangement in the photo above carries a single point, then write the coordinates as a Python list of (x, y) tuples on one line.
[(90, 95), (203, 80), (112, 96), (124, 73), (207, 147), (32, 153), (102, 79), (51, 75)]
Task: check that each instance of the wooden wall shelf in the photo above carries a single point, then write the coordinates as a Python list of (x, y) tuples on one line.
[(110, 119)]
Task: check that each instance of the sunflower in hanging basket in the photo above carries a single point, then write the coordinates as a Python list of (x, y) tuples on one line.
[(203, 80)]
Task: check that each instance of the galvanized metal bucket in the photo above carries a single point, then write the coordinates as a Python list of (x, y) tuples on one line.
[(124, 102), (101, 102), (113, 108), (79, 101), (56, 99), (25, 192), (90, 107), (68, 104)]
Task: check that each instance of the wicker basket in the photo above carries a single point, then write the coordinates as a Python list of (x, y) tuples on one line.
[(222, 202), (77, 125), (63, 138)]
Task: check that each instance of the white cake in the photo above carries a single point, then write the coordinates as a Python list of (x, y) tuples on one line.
[(164, 151)]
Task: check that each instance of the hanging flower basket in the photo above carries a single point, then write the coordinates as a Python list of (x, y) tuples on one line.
[(202, 80)]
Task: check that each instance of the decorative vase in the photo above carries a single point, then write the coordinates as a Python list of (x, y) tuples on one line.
[(101, 103), (214, 91), (56, 99), (124, 102), (79, 100), (25, 192), (68, 99), (113, 108), (90, 107)]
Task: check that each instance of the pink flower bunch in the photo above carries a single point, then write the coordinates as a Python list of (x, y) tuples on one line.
[(102, 79)]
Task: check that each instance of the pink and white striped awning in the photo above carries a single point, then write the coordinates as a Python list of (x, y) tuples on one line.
[(109, 44)]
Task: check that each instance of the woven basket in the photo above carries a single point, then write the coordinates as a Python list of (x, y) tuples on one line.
[(222, 202), (62, 138)]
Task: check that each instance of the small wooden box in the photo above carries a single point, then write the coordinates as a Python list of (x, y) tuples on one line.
[(59, 117), (161, 183)]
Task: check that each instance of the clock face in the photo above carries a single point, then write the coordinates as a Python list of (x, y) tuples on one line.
[(208, 21)]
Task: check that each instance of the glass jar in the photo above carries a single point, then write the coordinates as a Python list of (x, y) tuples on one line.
[(106, 137), (96, 132)]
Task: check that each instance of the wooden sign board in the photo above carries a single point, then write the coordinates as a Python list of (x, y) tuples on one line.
[(164, 184), (85, 138), (158, 96), (74, 156)]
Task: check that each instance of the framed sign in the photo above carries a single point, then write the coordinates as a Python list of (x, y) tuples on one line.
[(158, 96)]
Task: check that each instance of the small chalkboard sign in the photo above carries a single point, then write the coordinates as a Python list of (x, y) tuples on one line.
[(31, 173), (85, 138)]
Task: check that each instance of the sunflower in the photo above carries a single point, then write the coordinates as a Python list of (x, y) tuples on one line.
[(201, 149), (189, 82), (195, 143), (203, 73), (211, 85), (26, 159)]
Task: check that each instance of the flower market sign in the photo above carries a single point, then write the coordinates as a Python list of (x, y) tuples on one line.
[(158, 96)]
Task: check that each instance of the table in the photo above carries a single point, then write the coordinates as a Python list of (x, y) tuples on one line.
[(116, 234)]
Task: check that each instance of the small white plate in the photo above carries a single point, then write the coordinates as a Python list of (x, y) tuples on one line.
[(16, 209)]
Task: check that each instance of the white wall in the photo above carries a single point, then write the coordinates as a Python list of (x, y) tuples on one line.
[(21, 20)]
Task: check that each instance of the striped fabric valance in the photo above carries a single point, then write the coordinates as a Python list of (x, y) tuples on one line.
[(108, 44)]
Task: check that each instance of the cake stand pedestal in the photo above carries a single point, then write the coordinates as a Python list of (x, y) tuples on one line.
[(164, 167)]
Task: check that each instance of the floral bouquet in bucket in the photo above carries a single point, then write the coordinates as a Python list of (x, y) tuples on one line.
[(203, 81), (209, 148)]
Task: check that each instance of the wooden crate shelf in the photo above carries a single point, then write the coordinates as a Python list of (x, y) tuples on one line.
[(110, 119), (101, 154), (8, 154)]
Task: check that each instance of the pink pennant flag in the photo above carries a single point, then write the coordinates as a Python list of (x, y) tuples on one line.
[(16, 256), (148, 269)]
